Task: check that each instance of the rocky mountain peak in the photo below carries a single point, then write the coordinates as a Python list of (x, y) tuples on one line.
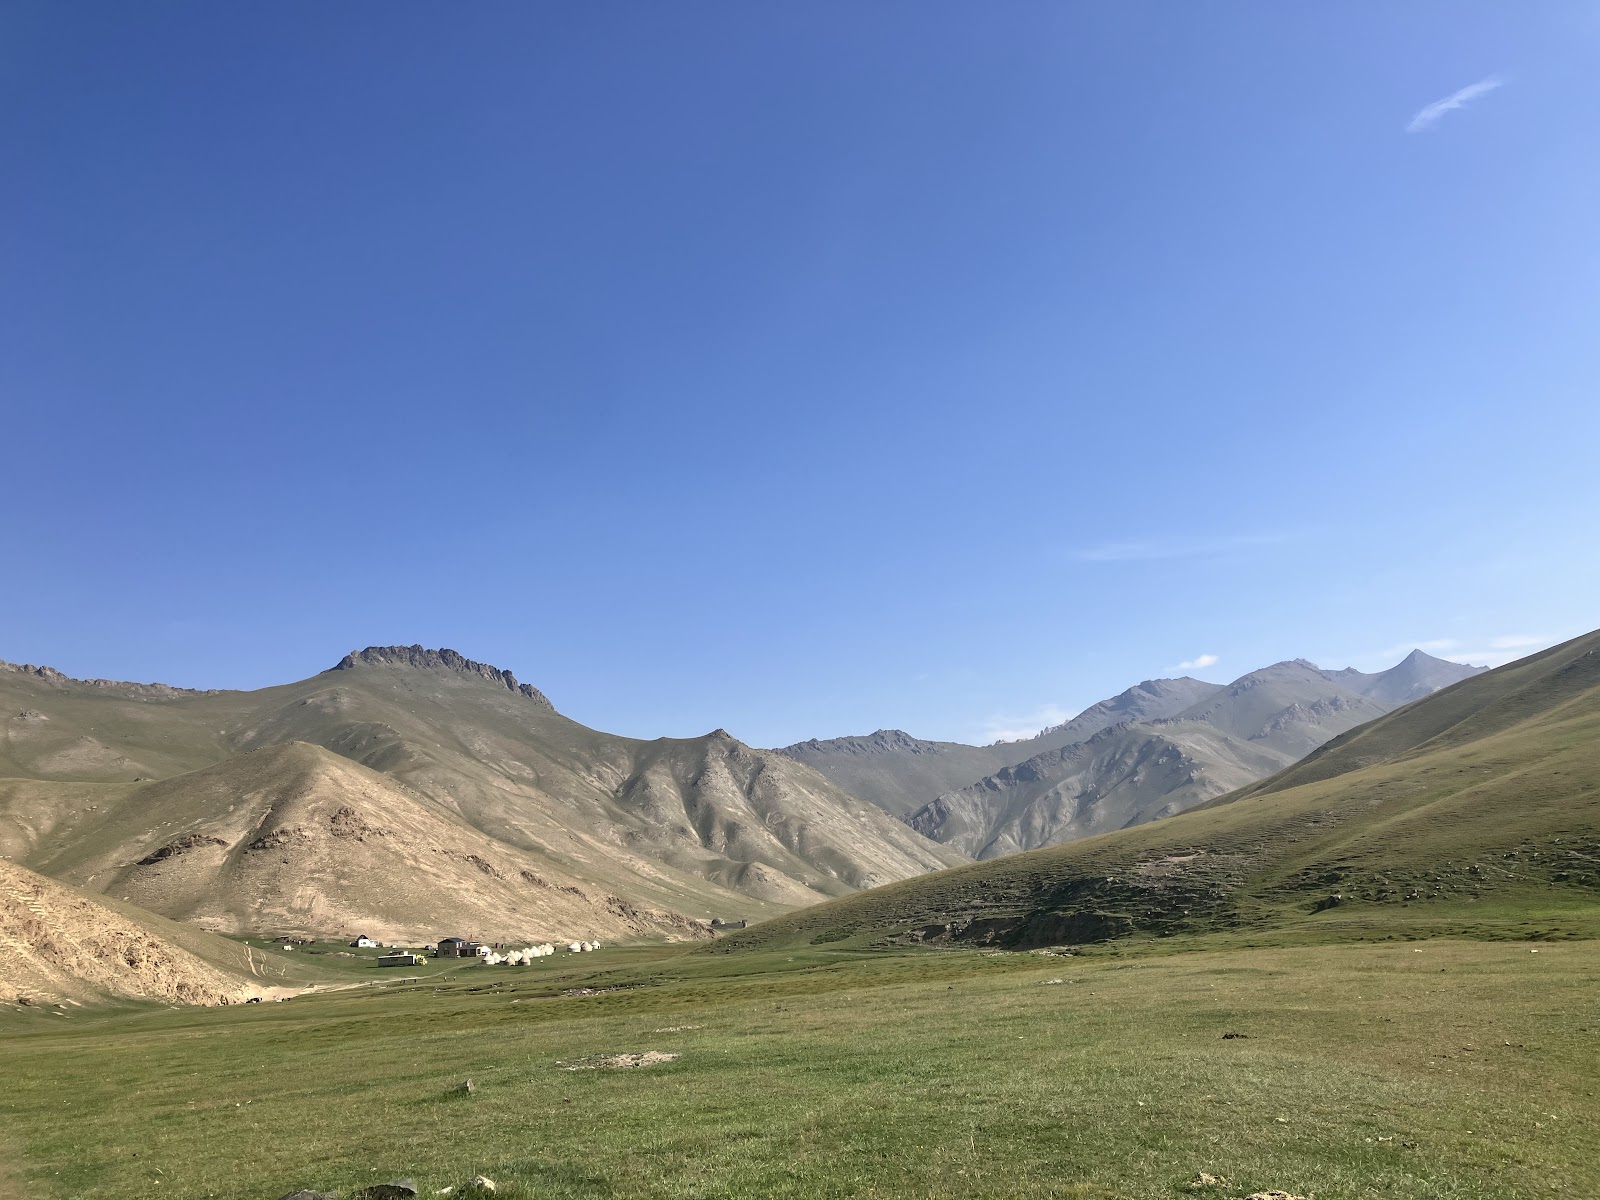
[(443, 659)]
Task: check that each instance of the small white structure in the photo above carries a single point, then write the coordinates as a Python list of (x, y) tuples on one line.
[(364, 942), (518, 958)]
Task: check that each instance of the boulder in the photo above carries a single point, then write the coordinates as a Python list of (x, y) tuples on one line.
[(400, 1189)]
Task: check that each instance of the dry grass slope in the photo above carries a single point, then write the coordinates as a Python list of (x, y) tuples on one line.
[(58, 945)]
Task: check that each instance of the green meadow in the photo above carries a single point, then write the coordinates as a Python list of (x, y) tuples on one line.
[(1436, 1069)]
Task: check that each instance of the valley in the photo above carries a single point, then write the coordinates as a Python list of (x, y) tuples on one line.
[(1367, 975), (1402, 1070)]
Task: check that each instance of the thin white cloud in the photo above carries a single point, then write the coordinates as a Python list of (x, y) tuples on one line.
[(1162, 548), (1015, 728), (1497, 651), (1517, 641), (1198, 663), (1427, 116)]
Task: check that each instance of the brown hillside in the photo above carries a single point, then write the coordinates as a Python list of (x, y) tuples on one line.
[(297, 840), (57, 944), (463, 763)]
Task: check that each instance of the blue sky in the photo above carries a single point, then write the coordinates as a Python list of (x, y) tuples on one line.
[(798, 369)]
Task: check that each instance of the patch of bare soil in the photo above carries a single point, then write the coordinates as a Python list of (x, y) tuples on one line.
[(1166, 864), (617, 1062)]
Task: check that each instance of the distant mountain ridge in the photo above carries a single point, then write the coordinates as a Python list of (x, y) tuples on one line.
[(901, 773), (1473, 811), (894, 770), (1156, 749)]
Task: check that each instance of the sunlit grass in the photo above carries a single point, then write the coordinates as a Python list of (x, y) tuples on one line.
[(1429, 1070)]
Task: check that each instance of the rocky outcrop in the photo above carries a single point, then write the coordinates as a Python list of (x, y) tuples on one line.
[(443, 660), (137, 691)]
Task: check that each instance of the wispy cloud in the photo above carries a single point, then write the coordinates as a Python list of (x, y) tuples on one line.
[(1010, 727), (1497, 651), (1198, 663), (1153, 549), (1427, 116), (1518, 641)]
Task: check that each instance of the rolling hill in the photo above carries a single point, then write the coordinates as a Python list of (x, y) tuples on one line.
[(408, 789), (1476, 808)]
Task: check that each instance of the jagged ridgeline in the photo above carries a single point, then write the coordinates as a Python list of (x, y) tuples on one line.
[(410, 792), (1475, 809), (1156, 749)]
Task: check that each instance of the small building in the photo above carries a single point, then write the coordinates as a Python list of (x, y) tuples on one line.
[(719, 924), (364, 942), (400, 960), (454, 947)]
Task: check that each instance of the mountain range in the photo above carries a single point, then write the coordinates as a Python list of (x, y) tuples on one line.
[(1473, 811), (1156, 749), (410, 792), (407, 791)]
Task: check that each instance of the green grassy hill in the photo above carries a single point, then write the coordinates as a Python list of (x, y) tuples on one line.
[(1475, 810)]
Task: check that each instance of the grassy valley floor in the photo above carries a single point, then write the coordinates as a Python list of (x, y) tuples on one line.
[(1431, 1070)]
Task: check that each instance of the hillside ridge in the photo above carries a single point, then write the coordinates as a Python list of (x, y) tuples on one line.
[(156, 690), (110, 790), (444, 659)]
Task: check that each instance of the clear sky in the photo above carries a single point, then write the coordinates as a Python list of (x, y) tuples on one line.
[(797, 368)]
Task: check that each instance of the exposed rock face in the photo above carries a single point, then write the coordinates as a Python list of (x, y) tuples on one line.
[(62, 944), (441, 659), (173, 849)]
